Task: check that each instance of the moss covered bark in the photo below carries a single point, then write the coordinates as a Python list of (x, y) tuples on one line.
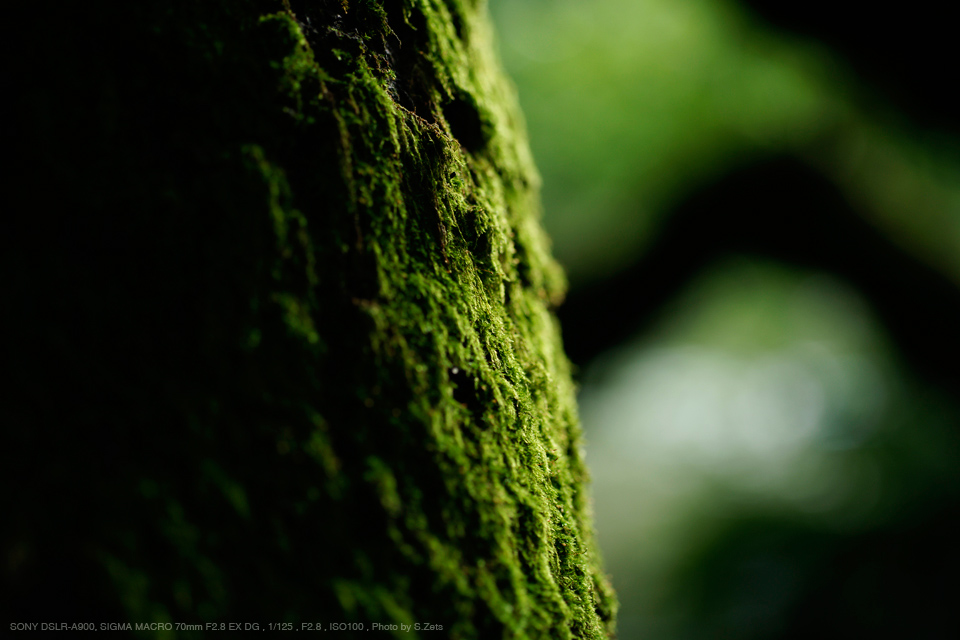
[(285, 348)]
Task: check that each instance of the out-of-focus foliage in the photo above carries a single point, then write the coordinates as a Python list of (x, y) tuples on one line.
[(630, 104), (770, 457), (766, 394)]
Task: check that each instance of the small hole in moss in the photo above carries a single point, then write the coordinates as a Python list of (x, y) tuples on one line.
[(524, 270), (465, 391), (465, 124), (457, 20)]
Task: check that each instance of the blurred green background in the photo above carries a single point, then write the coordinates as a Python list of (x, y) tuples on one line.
[(760, 219)]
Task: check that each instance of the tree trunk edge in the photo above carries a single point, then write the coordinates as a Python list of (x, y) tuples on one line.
[(291, 294)]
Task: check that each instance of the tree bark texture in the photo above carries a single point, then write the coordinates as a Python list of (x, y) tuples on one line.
[(283, 342)]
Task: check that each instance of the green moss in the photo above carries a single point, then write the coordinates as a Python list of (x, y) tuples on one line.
[(366, 413)]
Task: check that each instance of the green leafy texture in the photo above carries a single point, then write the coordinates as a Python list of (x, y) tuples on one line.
[(293, 304)]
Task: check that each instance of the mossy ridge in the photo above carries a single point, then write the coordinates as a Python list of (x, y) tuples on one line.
[(461, 307), (382, 426)]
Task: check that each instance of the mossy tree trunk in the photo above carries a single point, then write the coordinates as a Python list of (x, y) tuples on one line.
[(284, 342)]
